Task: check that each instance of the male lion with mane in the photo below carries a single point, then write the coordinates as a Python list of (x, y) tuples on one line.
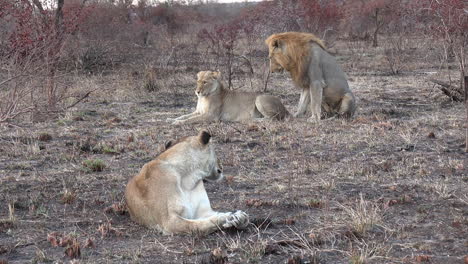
[(216, 103), (324, 85), (168, 194)]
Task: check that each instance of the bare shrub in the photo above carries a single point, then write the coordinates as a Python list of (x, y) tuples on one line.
[(93, 59), (399, 51), (14, 91), (150, 80)]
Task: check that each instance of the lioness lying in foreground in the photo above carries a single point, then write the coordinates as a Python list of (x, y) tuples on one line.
[(168, 194), (215, 103)]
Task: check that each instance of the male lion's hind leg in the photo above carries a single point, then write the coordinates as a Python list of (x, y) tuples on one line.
[(304, 102), (316, 92), (347, 106), (271, 107), (327, 111)]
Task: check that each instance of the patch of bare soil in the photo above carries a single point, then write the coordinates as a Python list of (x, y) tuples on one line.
[(389, 186)]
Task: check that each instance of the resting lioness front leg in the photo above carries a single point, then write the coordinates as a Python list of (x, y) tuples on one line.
[(192, 119), (183, 117)]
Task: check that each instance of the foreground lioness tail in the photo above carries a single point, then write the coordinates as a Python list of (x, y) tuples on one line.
[(168, 194)]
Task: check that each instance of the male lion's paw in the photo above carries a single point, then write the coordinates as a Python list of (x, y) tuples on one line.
[(314, 119), (298, 115)]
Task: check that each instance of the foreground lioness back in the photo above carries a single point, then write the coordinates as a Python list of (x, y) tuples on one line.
[(168, 194), (215, 103)]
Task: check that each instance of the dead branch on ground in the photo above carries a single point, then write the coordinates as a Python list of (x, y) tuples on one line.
[(455, 93)]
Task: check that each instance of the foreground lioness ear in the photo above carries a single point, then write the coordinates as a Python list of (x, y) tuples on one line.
[(204, 137)]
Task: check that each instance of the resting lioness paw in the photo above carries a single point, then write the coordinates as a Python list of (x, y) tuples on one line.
[(168, 194), (215, 103)]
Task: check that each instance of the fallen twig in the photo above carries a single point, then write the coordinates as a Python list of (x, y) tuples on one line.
[(451, 91), (80, 99)]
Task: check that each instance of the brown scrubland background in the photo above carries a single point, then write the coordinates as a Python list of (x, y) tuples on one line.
[(86, 87)]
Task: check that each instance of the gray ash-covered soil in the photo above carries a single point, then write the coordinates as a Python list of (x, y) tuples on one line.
[(389, 186)]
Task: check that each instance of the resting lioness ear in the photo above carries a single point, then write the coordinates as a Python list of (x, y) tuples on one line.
[(168, 194), (168, 144), (215, 103)]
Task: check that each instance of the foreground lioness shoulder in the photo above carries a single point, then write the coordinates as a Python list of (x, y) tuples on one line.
[(315, 71), (215, 103), (168, 194)]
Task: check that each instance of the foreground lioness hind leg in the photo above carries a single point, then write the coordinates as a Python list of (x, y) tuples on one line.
[(271, 107), (347, 106)]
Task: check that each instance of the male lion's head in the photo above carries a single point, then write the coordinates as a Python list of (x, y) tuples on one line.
[(290, 51), (278, 55), (208, 82)]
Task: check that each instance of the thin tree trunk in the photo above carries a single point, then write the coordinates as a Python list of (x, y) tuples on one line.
[(59, 17), (377, 27), (466, 107)]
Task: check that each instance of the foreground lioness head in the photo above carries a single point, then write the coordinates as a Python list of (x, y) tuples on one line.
[(315, 71), (168, 194), (216, 103)]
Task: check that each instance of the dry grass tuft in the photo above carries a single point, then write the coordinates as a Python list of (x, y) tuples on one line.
[(364, 215)]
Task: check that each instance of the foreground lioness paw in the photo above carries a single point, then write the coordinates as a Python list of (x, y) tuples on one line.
[(215, 103), (169, 195), (239, 219), (314, 71)]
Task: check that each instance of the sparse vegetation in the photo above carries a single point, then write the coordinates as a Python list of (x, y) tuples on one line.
[(94, 165), (388, 186)]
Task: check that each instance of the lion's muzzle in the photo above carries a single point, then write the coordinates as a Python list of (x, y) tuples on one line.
[(275, 67)]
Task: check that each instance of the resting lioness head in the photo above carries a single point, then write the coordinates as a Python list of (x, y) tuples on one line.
[(208, 83)]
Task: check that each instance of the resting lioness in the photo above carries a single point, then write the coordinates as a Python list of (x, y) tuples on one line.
[(215, 103), (168, 194)]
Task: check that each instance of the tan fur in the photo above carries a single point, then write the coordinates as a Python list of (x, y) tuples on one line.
[(215, 103), (314, 70), (168, 194)]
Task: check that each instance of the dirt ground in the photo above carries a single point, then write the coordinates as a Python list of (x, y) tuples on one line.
[(390, 186)]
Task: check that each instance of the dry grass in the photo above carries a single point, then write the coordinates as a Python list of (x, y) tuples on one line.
[(386, 187)]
